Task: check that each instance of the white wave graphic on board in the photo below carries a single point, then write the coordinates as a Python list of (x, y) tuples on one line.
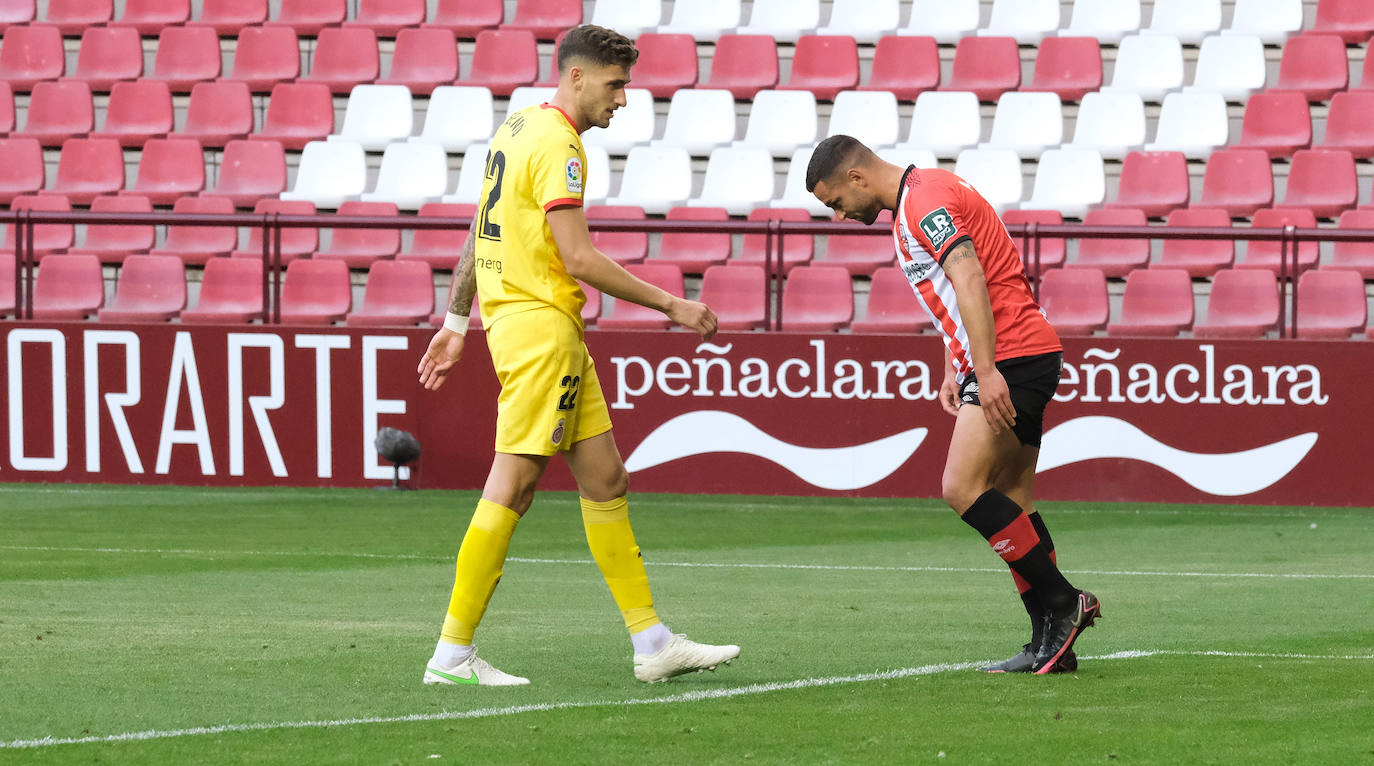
[(838, 468), (1226, 473)]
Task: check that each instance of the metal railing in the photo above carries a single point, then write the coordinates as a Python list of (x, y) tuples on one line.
[(1029, 236)]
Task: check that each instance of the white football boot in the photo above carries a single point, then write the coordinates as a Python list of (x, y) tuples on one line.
[(682, 655), (474, 670)]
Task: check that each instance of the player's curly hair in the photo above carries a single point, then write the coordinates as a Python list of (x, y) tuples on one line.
[(833, 155), (599, 45)]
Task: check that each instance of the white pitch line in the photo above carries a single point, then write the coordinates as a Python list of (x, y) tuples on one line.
[(696, 564), (691, 696)]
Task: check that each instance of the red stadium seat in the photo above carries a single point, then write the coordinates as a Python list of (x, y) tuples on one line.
[(108, 55), (737, 295), (88, 168), (621, 246), (219, 112), (545, 18), (112, 243), (7, 298), (632, 316), (862, 254), (315, 292), (6, 108), (744, 65), (58, 111), (1278, 122), (186, 56), (1243, 304), (1266, 254), (1198, 257), (551, 80), (170, 168), (465, 18), (1331, 304), (150, 16), (666, 63), (1239, 181), (1052, 249), (22, 159), (1156, 182), (13, 13), (250, 170), (817, 299), (1075, 300), (693, 253), (906, 66), (798, 249), (358, 248), (345, 58), (397, 293), (297, 113), (440, 248), (824, 65), (987, 66), (503, 60), (1354, 256), (48, 238), (73, 17), (198, 244), (892, 306), (1314, 65), (591, 310), (423, 60), (1323, 181), (229, 16), (230, 293), (151, 288), (308, 17), (1068, 66), (388, 17), (1113, 257), (30, 54), (1157, 302), (1353, 20), (296, 242), (137, 111), (68, 287), (265, 56), (1350, 123)]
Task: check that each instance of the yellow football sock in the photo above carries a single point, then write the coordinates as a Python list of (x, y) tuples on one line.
[(479, 569), (613, 546)]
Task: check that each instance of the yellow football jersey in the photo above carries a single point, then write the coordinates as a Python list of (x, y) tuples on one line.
[(536, 162)]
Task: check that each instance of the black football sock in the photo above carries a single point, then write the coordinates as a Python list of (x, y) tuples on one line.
[(1012, 534)]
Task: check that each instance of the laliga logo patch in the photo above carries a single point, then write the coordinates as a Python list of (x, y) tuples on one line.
[(558, 432), (575, 175)]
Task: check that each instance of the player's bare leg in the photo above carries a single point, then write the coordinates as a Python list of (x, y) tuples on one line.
[(602, 482)]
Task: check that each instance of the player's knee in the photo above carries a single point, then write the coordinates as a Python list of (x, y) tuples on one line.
[(959, 493)]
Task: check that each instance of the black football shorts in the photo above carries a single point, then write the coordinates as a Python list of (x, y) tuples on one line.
[(1032, 381)]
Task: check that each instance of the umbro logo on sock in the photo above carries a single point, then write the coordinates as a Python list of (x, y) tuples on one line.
[(1003, 546)]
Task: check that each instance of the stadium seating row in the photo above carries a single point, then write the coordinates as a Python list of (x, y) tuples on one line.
[(1156, 302)]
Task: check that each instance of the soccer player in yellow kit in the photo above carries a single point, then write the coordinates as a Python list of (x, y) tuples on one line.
[(528, 246)]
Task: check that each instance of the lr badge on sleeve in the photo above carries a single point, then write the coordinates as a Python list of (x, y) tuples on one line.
[(939, 226)]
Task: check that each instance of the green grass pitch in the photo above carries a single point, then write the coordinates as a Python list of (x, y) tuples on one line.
[(254, 626)]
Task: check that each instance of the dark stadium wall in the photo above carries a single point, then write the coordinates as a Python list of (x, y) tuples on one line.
[(1176, 420)]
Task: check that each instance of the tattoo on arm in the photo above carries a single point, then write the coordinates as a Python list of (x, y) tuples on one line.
[(961, 251), (464, 288)]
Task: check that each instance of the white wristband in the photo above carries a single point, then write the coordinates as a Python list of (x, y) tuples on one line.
[(458, 324)]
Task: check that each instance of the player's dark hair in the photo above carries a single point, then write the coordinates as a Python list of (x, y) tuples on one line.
[(833, 155), (599, 45)]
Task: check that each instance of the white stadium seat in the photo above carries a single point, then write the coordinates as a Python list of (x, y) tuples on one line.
[(632, 124), (794, 193), (470, 175), (598, 175), (1188, 20), (628, 17), (995, 173), (902, 156), (528, 95), (377, 115), (784, 20), (1232, 65), (1112, 122), (863, 20), (699, 120), (704, 20), (1027, 123), (411, 175), (1070, 181), (945, 122), (738, 180), (944, 20), (655, 178), (1193, 122), (1029, 21), (330, 173), (457, 115), (781, 121), (1150, 65), (1270, 20), (1107, 20), (868, 115)]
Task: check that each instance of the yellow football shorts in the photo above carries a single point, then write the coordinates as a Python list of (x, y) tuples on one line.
[(550, 395)]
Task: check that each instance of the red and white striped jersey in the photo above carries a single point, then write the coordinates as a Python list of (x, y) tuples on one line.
[(937, 210)]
